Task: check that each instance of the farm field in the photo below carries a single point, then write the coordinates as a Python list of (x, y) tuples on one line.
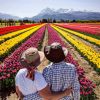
[(82, 41), (4, 25)]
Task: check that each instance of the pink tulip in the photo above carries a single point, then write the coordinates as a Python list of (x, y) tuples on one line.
[(11, 63), (8, 75)]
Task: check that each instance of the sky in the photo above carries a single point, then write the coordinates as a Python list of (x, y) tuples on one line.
[(30, 8)]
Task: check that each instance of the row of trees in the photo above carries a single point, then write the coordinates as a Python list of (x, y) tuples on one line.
[(12, 22), (68, 21)]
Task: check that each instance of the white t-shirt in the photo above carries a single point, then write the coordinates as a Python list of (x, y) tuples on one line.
[(28, 86)]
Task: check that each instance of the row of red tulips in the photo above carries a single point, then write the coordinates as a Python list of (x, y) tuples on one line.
[(87, 86), (95, 30), (11, 63), (91, 25), (5, 30)]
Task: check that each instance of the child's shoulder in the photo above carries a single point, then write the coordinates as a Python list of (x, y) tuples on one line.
[(70, 66), (21, 72)]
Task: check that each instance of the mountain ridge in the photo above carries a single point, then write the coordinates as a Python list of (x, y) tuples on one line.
[(8, 16), (65, 14)]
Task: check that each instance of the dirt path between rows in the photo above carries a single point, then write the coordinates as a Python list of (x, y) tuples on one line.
[(45, 61), (40, 68), (89, 71), (96, 48)]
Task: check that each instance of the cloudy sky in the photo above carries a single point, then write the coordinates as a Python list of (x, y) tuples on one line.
[(29, 8)]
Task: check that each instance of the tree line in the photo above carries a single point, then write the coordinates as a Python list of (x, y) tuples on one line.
[(68, 21), (11, 22)]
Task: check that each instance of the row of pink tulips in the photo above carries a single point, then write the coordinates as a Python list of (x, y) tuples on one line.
[(87, 86), (11, 63)]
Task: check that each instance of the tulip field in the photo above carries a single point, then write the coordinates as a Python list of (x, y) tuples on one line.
[(88, 28), (84, 38)]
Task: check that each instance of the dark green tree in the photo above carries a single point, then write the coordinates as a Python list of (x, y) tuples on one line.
[(54, 21)]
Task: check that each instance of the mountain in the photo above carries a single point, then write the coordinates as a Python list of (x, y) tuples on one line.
[(47, 11), (63, 10), (66, 14), (8, 16)]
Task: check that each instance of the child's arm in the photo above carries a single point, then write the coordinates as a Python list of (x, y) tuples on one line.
[(19, 94)]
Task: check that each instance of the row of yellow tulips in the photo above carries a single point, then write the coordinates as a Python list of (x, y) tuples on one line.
[(87, 51), (6, 46), (96, 41), (12, 34)]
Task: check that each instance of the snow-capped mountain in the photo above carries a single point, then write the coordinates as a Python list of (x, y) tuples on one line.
[(53, 11), (66, 14), (47, 11), (63, 10)]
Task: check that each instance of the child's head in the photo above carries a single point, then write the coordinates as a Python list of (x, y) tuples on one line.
[(31, 58), (55, 52)]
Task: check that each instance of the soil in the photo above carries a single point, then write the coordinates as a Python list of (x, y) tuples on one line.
[(45, 61), (96, 48)]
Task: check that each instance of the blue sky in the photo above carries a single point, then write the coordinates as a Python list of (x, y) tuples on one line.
[(29, 8)]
